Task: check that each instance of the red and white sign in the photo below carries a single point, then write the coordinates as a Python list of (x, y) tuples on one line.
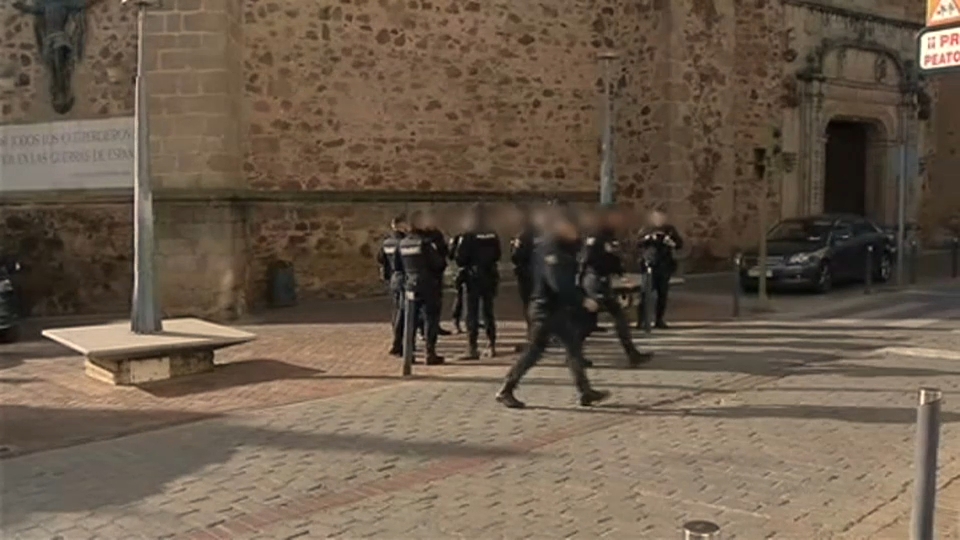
[(940, 49)]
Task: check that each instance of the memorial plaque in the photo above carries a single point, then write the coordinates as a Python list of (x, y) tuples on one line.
[(81, 154)]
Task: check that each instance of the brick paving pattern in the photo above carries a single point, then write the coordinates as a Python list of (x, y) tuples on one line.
[(775, 429)]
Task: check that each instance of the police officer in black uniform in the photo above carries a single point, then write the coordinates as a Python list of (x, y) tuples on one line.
[(556, 299), (433, 233), (393, 276), (658, 245), (479, 254), (422, 266), (600, 264)]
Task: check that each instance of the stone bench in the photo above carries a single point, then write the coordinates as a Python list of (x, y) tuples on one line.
[(116, 355)]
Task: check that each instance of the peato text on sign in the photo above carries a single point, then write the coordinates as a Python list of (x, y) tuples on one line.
[(940, 49), (82, 154)]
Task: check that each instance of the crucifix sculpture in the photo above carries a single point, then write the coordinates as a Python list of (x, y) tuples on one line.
[(60, 31)]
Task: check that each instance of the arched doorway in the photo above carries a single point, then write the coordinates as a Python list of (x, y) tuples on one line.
[(852, 168)]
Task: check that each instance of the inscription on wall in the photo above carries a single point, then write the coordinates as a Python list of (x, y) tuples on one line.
[(84, 154)]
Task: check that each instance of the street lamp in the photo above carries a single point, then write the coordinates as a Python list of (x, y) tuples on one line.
[(145, 315), (607, 178)]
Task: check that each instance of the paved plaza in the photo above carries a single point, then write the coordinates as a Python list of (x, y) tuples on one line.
[(791, 426)]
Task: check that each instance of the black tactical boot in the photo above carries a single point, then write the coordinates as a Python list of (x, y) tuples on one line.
[(491, 351), (520, 348), (456, 325), (587, 363), (506, 398), (591, 397), (394, 351), (637, 358), (443, 332), (434, 360), (471, 354)]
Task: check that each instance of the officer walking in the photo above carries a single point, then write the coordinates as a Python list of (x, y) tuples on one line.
[(554, 303), (422, 264), (393, 276), (658, 245), (479, 254), (433, 233), (601, 263), (521, 255)]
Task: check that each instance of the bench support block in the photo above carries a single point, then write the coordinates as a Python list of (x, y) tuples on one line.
[(145, 370)]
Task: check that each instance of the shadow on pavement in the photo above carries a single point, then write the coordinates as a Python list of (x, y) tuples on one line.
[(146, 467), (28, 426), (230, 375)]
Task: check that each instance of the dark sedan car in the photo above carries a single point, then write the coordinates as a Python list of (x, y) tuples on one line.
[(817, 252), (9, 306)]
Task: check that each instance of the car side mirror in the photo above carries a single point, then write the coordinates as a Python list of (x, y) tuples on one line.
[(841, 238)]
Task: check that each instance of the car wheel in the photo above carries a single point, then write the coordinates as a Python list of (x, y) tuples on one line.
[(824, 278), (9, 334), (884, 269)]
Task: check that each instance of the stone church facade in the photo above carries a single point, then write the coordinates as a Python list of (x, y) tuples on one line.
[(291, 130)]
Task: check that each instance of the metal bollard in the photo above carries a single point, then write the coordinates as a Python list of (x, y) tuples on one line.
[(409, 331), (955, 258), (914, 261), (868, 275), (701, 530), (928, 439), (737, 287), (647, 298)]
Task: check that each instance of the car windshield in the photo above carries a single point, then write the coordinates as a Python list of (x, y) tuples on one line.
[(801, 231)]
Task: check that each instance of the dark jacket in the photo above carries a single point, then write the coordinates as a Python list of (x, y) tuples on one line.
[(521, 252), (440, 244), (385, 257), (422, 265), (601, 255), (555, 270), (656, 252)]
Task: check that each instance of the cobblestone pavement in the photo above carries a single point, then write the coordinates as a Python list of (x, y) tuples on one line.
[(792, 429), (309, 352)]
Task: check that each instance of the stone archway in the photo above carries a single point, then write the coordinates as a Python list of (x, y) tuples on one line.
[(861, 83)]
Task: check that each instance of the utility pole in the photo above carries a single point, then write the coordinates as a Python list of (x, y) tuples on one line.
[(607, 174), (145, 315)]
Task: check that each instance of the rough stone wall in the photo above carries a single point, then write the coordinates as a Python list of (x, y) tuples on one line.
[(76, 259), (333, 246), (78, 255), (759, 76), (439, 95)]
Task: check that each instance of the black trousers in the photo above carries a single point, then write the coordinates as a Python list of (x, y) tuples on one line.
[(427, 312), (480, 294), (438, 294), (525, 286), (544, 324), (399, 311), (599, 289), (660, 287), (461, 287)]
